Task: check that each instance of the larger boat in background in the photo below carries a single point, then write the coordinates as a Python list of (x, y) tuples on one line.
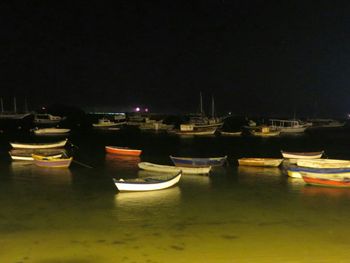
[(288, 126), (4, 115), (200, 124), (47, 118), (326, 123), (105, 123)]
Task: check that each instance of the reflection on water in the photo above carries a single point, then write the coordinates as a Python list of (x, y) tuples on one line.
[(120, 161), (259, 171), (325, 192), (77, 214), (27, 171)]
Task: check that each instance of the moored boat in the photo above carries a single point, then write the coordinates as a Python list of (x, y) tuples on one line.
[(198, 162), (264, 131), (336, 177), (168, 168), (269, 162), (44, 161), (106, 123), (45, 118), (51, 131), (302, 155), (288, 126), (38, 145), (123, 151), (230, 133), (323, 163), (147, 184), (26, 154)]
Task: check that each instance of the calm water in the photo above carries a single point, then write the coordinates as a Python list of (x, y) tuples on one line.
[(236, 214)]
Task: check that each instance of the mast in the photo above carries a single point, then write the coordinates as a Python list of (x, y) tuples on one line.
[(14, 105), (201, 103), (2, 105), (212, 107), (25, 105)]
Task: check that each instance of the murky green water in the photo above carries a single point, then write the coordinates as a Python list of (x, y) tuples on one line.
[(237, 214)]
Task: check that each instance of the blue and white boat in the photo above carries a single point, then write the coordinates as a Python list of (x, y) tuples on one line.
[(198, 162)]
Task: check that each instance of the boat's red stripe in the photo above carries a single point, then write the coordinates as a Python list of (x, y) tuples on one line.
[(123, 151), (326, 182)]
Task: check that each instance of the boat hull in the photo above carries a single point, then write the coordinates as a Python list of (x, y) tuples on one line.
[(168, 168), (43, 161), (323, 163), (39, 145), (267, 162), (198, 162), (146, 184), (122, 151), (302, 155)]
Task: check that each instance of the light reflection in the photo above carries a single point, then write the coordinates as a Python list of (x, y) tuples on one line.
[(259, 171), (152, 199), (328, 192), (121, 161)]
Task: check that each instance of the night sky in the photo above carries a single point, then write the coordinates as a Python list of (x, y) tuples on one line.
[(254, 57)]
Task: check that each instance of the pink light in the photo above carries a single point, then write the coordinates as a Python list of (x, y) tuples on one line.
[(137, 109), (146, 110)]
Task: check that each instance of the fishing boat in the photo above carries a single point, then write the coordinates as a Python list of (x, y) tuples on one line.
[(44, 161), (14, 115), (168, 168), (288, 126), (122, 151), (200, 124), (147, 184), (323, 163), (106, 123), (326, 123), (198, 162), (45, 118), (26, 154), (268, 162), (264, 131), (51, 131), (38, 145)]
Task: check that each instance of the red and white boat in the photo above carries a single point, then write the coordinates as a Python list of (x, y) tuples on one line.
[(122, 151)]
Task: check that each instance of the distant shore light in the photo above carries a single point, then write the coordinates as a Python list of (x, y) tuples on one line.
[(146, 110), (137, 109)]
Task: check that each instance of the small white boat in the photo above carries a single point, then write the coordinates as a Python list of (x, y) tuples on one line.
[(47, 119), (147, 184), (168, 168), (26, 154), (38, 145), (302, 155), (51, 131), (323, 163), (268, 162), (231, 133)]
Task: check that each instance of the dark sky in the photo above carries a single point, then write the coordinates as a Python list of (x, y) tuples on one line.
[(255, 57)]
